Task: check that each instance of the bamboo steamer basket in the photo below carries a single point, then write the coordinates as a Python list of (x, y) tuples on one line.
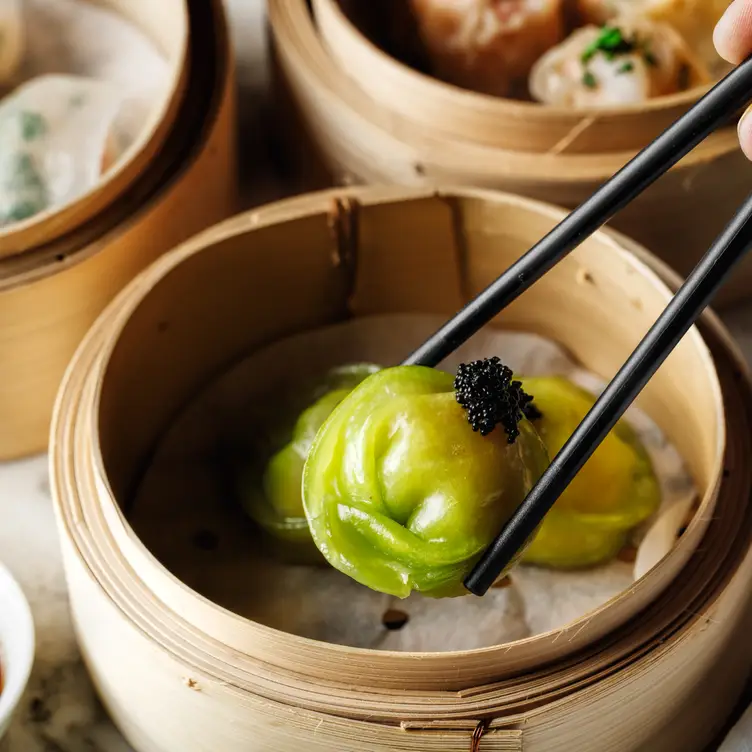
[(331, 118), (656, 668), (494, 121), (166, 24), (49, 297)]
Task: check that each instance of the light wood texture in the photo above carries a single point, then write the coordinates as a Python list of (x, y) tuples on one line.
[(50, 297), (166, 23), (655, 669), (353, 136)]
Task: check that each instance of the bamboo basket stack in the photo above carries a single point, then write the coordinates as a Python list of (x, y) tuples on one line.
[(657, 668), (59, 269), (354, 114)]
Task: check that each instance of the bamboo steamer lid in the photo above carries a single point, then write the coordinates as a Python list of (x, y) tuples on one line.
[(49, 297), (355, 138), (167, 24), (656, 668)]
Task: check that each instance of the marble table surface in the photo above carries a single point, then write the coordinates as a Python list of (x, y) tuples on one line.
[(60, 712)]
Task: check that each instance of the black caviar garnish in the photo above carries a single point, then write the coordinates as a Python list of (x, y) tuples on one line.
[(490, 397)]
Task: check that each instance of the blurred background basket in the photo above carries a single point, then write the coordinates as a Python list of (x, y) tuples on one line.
[(183, 180), (353, 114)]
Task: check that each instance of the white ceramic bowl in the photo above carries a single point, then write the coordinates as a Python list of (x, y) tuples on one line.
[(16, 646)]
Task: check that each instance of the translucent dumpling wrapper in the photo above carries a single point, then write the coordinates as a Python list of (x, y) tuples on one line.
[(695, 20), (12, 39), (271, 494), (487, 46), (94, 40), (615, 491), (590, 524), (402, 494), (56, 141), (625, 63)]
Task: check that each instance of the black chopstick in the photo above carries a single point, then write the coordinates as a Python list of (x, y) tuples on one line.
[(677, 318), (714, 109)]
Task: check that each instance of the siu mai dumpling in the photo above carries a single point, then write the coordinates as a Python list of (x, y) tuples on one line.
[(693, 19), (55, 142), (487, 46), (12, 39), (626, 62)]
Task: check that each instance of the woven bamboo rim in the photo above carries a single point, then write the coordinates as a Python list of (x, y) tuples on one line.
[(50, 297), (493, 121), (662, 679), (359, 140), (167, 24)]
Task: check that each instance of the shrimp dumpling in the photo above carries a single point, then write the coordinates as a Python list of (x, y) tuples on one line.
[(693, 19), (487, 46), (55, 142), (626, 62)]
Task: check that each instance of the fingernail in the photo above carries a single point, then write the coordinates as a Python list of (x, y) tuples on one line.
[(744, 129), (744, 121), (726, 34)]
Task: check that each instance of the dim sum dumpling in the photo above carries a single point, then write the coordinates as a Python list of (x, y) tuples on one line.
[(615, 491), (271, 494), (403, 490), (626, 62), (693, 19), (487, 46), (55, 142), (12, 39)]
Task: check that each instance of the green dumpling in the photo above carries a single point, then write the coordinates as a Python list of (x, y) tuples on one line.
[(616, 490), (402, 493), (272, 495)]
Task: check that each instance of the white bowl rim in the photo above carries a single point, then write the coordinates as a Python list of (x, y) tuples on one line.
[(15, 667)]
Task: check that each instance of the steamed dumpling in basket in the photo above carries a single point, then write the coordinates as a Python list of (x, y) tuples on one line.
[(11, 39), (400, 477), (56, 141), (488, 46), (626, 62), (693, 19)]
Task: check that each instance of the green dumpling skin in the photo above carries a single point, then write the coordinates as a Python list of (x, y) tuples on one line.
[(401, 494), (615, 491), (272, 497)]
